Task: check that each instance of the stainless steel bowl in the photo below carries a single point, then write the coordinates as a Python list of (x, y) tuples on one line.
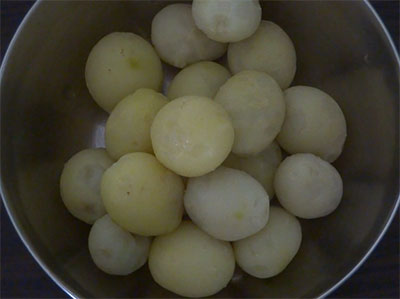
[(47, 115)]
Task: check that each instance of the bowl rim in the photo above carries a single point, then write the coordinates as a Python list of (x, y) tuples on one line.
[(70, 291)]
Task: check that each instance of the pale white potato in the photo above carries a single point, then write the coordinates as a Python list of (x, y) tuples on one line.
[(142, 196), (314, 124), (268, 50), (268, 252), (192, 135), (256, 105), (228, 204), (119, 64), (227, 20), (80, 184), (177, 39), (307, 186), (191, 263), (199, 79), (262, 166), (115, 250), (128, 127)]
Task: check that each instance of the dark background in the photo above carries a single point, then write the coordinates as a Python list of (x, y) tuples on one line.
[(22, 277)]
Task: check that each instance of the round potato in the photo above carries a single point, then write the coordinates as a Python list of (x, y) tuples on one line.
[(228, 204), (190, 263), (128, 127), (256, 105), (192, 135), (199, 79), (314, 124), (177, 39), (308, 186), (114, 250), (227, 20), (268, 50), (142, 196), (80, 184), (119, 64), (262, 166), (268, 252)]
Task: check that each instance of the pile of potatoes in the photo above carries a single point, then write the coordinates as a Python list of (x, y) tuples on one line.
[(208, 151)]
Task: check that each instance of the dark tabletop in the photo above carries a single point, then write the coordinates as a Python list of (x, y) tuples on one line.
[(22, 277)]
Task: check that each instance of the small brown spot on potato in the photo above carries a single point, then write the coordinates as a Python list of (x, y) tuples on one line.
[(88, 209), (105, 253), (133, 62), (239, 215)]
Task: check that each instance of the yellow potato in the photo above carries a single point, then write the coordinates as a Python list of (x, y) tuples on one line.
[(268, 252), (119, 64), (199, 79), (308, 186), (80, 184), (262, 166), (142, 196), (227, 20), (128, 127), (192, 135), (177, 39), (190, 263), (256, 105), (115, 250), (268, 50), (314, 124), (228, 204)]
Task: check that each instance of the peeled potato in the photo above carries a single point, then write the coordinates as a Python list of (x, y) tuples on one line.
[(119, 64), (268, 50), (314, 124), (227, 20), (268, 252), (256, 105), (114, 250), (228, 204), (199, 79), (142, 196), (192, 135), (177, 39), (80, 184), (190, 263), (128, 127), (308, 186), (262, 166)]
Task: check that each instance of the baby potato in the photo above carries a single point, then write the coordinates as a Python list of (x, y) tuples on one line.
[(128, 127), (228, 204), (256, 105), (192, 135), (268, 50), (262, 166), (268, 252), (118, 65), (80, 184), (314, 124), (227, 20), (307, 186), (190, 263), (199, 79), (142, 196), (114, 250), (177, 39)]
